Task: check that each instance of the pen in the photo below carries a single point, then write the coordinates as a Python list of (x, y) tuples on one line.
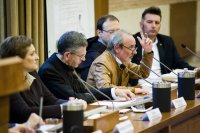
[(41, 106)]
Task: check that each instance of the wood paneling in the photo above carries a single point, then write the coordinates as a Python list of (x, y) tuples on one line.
[(11, 81), (101, 9), (183, 25), (11, 76), (4, 128), (4, 110), (4, 114), (116, 5)]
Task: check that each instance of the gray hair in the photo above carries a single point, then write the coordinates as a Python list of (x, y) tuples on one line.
[(116, 39), (71, 41)]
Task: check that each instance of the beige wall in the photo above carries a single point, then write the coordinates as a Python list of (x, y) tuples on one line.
[(129, 20)]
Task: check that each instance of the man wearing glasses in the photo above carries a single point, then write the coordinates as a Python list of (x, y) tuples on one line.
[(58, 73), (106, 26), (105, 71)]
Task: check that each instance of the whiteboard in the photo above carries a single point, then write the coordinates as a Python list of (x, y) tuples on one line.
[(67, 15)]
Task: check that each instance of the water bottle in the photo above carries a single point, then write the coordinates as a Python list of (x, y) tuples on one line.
[(162, 96), (73, 117), (186, 85)]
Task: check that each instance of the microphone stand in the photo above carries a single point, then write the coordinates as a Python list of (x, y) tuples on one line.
[(149, 68), (165, 66), (87, 84), (184, 46), (122, 66)]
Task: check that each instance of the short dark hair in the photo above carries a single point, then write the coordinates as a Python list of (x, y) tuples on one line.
[(103, 19), (152, 10), (71, 41), (15, 46)]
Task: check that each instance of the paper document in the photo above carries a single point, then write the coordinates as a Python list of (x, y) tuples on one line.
[(125, 104), (50, 128)]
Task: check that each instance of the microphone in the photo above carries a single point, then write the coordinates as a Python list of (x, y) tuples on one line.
[(188, 49), (86, 86), (122, 66), (165, 66)]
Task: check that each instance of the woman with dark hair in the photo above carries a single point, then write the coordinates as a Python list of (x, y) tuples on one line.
[(24, 103)]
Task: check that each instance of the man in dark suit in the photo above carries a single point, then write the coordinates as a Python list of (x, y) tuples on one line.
[(59, 76), (163, 46), (106, 26)]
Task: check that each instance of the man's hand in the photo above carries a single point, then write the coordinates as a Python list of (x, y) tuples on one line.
[(145, 42), (125, 93), (141, 91)]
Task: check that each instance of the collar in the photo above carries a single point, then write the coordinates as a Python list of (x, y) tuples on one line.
[(62, 64), (29, 79), (101, 41), (156, 41), (119, 62)]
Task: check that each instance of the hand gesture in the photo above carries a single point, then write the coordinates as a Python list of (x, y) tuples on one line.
[(145, 42)]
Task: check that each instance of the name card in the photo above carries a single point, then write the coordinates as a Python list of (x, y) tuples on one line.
[(124, 127), (179, 102), (152, 114)]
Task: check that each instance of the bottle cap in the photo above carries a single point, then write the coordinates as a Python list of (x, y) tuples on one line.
[(161, 85), (73, 106)]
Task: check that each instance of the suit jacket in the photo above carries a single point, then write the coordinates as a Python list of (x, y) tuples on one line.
[(106, 72), (24, 103), (63, 83), (167, 52), (94, 49)]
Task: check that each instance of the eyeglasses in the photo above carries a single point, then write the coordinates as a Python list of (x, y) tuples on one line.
[(111, 31), (81, 56), (133, 49)]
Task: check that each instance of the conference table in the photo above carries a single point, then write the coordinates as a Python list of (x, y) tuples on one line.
[(185, 119)]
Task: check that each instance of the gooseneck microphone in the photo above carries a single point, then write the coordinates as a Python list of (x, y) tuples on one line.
[(188, 49), (92, 87), (141, 62), (86, 87), (87, 84), (165, 66), (122, 66)]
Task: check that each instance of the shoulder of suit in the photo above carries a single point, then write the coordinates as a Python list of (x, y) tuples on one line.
[(105, 57), (161, 36), (136, 34)]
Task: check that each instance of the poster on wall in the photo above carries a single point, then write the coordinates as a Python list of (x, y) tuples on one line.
[(68, 15)]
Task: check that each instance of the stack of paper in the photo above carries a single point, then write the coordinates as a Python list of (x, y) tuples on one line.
[(125, 104)]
